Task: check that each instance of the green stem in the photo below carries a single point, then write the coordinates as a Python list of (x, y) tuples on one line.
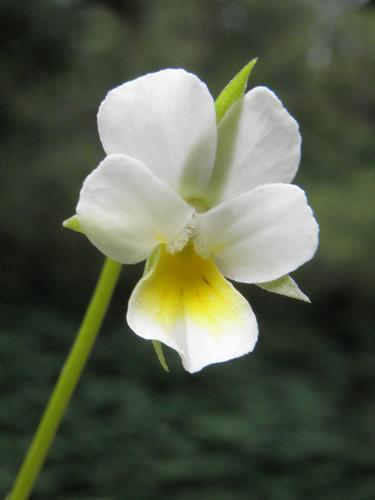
[(67, 381)]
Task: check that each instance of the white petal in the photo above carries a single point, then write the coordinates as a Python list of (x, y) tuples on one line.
[(186, 303), (167, 120), (261, 235), (259, 143), (126, 211)]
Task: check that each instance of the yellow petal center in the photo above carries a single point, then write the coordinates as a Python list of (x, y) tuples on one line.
[(185, 287)]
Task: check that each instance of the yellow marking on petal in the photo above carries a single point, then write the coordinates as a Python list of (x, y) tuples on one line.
[(184, 286)]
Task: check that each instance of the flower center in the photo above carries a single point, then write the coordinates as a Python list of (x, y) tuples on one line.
[(189, 237), (184, 285)]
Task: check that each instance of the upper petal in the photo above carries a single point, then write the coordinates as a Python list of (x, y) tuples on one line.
[(261, 235), (259, 143), (126, 211), (167, 120), (185, 302)]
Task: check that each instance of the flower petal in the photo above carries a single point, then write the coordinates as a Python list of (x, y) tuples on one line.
[(259, 143), (167, 120), (126, 211), (261, 235), (185, 302)]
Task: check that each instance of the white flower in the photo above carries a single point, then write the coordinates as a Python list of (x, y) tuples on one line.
[(205, 201)]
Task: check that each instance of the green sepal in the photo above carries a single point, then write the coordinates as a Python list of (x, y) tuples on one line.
[(160, 354), (150, 262), (285, 286), (73, 224), (234, 90)]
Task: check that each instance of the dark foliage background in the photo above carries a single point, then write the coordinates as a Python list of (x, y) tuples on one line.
[(295, 420)]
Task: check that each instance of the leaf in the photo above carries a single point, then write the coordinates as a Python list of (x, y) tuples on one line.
[(234, 90), (160, 354), (284, 286), (73, 224)]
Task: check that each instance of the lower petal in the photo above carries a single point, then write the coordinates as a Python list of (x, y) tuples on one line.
[(185, 302)]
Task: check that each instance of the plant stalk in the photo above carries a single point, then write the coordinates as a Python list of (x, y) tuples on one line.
[(67, 381)]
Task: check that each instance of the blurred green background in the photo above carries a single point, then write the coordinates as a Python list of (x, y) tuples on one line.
[(296, 419)]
